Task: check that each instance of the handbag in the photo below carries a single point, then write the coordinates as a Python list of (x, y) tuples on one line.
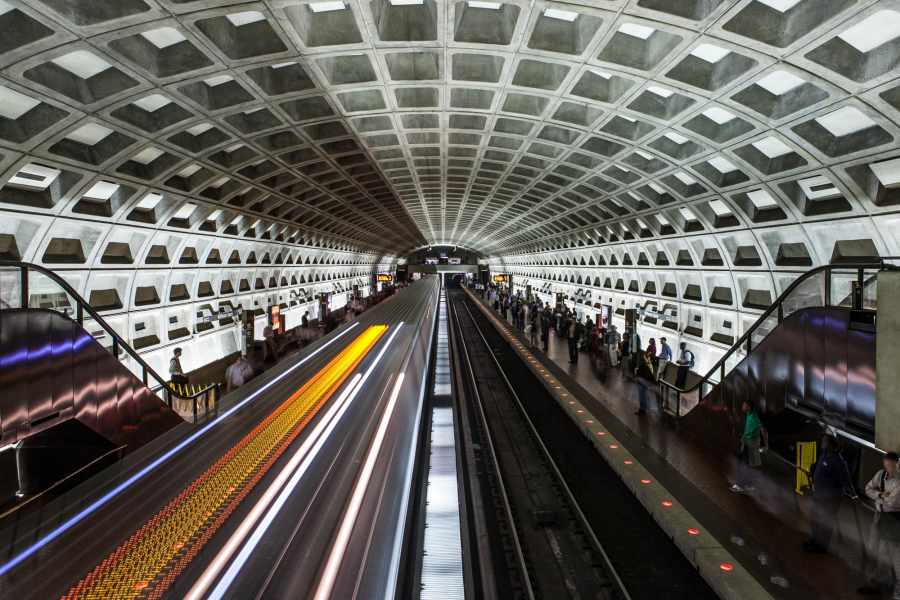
[(888, 522)]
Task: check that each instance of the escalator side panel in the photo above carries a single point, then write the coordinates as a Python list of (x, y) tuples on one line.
[(861, 383), (835, 329), (795, 382), (13, 375), (62, 334), (813, 359), (740, 385), (775, 357), (40, 366), (757, 383), (86, 357)]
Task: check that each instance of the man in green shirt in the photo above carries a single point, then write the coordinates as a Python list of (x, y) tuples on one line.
[(754, 441)]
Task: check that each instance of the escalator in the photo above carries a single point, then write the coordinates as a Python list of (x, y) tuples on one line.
[(810, 357), (66, 398)]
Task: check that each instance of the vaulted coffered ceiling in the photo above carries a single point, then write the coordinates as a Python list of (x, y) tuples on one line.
[(504, 127)]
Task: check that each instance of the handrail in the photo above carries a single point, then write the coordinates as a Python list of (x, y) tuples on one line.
[(778, 306), (82, 305)]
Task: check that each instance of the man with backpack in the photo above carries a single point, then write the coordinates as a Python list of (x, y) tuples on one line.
[(685, 363), (884, 489)]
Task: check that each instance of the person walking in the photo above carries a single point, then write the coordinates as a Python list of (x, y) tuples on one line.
[(754, 441), (665, 356), (523, 313), (685, 364), (830, 477), (573, 333), (884, 489), (624, 358), (535, 327), (651, 352), (176, 373), (645, 380), (612, 342), (236, 375)]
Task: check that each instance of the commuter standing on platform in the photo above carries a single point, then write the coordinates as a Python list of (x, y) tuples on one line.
[(645, 380), (535, 327), (884, 489), (237, 375), (830, 477), (625, 358), (665, 356), (754, 441), (613, 344), (651, 352), (545, 329), (573, 333)]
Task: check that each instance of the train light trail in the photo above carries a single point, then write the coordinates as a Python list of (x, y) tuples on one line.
[(149, 555), (31, 550)]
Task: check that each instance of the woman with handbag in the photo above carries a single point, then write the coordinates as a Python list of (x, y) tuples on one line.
[(884, 489)]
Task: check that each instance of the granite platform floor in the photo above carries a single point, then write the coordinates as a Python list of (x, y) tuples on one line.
[(763, 529)]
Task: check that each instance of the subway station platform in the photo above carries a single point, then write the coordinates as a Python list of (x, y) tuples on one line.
[(763, 530)]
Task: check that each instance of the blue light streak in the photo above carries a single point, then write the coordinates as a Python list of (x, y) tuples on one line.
[(30, 551)]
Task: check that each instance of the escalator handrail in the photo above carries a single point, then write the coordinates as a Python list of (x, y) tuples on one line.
[(85, 306), (881, 266)]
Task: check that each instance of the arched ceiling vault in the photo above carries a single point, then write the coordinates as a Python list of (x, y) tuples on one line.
[(509, 128)]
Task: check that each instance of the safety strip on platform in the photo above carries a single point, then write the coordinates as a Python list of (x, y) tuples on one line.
[(147, 564)]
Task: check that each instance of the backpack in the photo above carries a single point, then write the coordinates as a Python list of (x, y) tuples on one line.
[(691, 354)]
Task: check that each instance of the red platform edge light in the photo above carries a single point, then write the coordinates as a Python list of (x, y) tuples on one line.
[(693, 531), (645, 481), (601, 433), (628, 462), (666, 503), (589, 421), (726, 567), (613, 446)]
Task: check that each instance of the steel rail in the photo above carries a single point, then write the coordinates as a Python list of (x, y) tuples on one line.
[(615, 580)]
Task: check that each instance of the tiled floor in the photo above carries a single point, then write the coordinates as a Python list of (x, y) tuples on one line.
[(763, 529)]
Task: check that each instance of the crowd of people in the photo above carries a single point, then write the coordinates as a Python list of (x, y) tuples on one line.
[(829, 475)]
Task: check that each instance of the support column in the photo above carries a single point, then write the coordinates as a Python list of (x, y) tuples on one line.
[(887, 363)]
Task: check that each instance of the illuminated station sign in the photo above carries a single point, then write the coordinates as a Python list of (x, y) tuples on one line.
[(383, 277), (501, 278)]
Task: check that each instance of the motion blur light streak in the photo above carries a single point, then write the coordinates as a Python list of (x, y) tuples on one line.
[(340, 545), (152, 466), (247, 524), (235, 568)]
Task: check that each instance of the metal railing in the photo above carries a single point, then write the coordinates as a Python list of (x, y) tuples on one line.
[(854, 290), (177, 399)]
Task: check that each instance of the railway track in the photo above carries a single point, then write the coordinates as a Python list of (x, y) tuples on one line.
[(548, 547)]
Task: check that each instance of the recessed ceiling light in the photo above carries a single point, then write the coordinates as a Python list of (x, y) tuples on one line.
[(185, 211), (709, 53), (5, 8), (218, 80), (102, 190), (89, 134), (602, 74), (780, 5), (657, 188), (845, 121), (164, 37), (661, 219), (629, 119), (722, 165), (34, 176), (406, 2), (718, 115), (282, 65), (664, 93), (761, 199), (772, 147), (201, 128), (13, 104), (152, 103), (149, 201), (635, 30), (82, 63), (819, 188), (188, 170), (719, 207), (644, 155), (888, 173), (147, 155), (245, 18), (685, 178), (686, 214), (677, 138), (215, 215), (779, 82), (489, 5), (874, 31), (562, 15)]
